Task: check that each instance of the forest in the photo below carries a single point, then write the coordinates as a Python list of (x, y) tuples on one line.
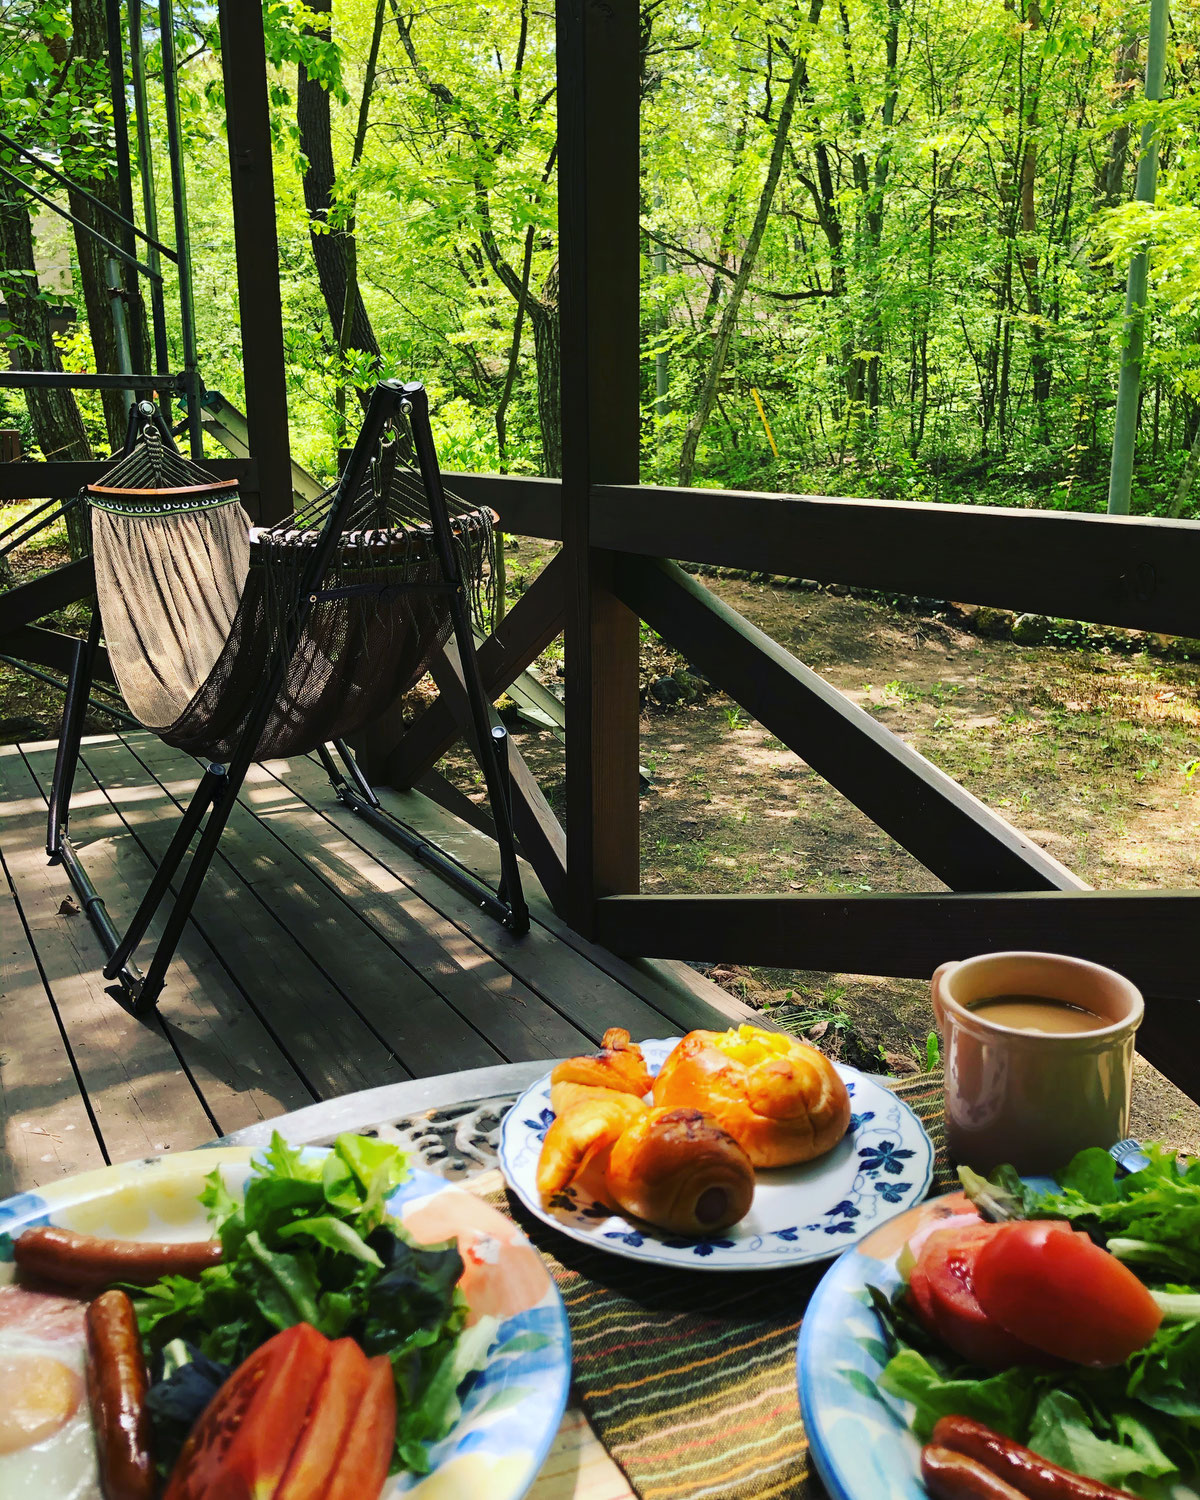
[(884, 243)]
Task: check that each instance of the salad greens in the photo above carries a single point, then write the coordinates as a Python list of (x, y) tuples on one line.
[(1126, 1426), (312, 1242)]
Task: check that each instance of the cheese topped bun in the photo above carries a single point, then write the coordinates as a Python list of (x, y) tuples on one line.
[(780, 1099)]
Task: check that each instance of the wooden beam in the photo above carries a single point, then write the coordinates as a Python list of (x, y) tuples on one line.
[(50, 648), (42, 596), (526, 506), (951, 832), (598, 62), (1134, 572), (1128, 571), (1148, 935), (524, 633), (256, 247), (29, 480)]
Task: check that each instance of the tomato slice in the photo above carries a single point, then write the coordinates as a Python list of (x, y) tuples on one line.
[(1057, 1290), (362, 1465), (334, 1409), (943, 1298), (240, 1447)]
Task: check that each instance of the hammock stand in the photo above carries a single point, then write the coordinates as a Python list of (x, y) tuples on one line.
[(330, 625)]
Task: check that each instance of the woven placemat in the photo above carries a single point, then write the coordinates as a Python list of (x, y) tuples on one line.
[(689, 1378)]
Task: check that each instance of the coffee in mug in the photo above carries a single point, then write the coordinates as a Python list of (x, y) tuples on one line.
[(1038, 1049)]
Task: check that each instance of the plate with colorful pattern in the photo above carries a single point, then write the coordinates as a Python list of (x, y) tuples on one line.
[(511, 1408), (880, 1168)]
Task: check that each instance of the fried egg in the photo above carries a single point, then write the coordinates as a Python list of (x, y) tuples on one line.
[(47, 1447)]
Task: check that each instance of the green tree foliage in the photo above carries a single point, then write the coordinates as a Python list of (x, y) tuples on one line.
[(904, 226)]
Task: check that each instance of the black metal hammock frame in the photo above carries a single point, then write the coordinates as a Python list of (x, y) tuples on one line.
[(239, 644)]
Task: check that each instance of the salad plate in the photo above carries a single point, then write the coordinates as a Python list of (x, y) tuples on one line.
[(800, 1214), (512, 1407), (859, 1437)]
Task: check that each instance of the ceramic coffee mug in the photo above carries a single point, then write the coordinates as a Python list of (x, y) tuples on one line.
[(1034, 1098)]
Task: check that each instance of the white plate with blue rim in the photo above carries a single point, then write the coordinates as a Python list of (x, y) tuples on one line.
[(510, 1409), (880, 1168)]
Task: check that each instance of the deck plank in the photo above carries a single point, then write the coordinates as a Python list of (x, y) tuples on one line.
[(331, 1045), (684, 996), (401, 1006), (515, 1019), (591, 999), (47, 1131), (240, 1071), (137, 1088)]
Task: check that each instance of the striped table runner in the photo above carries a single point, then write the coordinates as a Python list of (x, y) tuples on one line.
[(689, 1378)]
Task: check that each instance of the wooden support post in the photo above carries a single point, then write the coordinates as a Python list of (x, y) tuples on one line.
[(598, 73), (256, 242)]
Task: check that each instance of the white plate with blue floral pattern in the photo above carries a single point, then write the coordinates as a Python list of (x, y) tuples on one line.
[(880, 1168), (510, 1409)]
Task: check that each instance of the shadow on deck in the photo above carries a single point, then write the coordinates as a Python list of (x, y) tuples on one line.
[(320, 959)]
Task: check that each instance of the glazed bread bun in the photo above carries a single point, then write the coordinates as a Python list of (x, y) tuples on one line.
[(781, 1099), (618, 1067), (678, 1169)]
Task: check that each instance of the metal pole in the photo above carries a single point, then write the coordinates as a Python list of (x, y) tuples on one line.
[(187, 310), (116, 295), (145, 149), (492, 752), (1120, 482)]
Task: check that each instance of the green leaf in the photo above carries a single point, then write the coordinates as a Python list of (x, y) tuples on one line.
[(289, 1294), (1061, 1432), (334, 1234)]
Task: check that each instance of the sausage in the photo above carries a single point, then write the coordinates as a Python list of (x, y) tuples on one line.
[(954, 1476), (1033, 1475), (117, 1383), (83, 1260)]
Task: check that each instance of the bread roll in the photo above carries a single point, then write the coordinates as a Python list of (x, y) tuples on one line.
[(578, 1141), (677, 1169), (619, 1067), (781, 1099)]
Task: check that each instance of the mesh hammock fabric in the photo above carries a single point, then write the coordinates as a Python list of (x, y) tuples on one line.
[(194, 600)]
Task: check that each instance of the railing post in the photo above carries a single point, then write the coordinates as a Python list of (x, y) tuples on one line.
[(598, 101), (256, 244)]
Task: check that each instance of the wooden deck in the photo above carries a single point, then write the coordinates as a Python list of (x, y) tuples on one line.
[(320, 959)]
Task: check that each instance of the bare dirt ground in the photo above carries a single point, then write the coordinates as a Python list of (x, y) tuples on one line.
[(1095, 755)]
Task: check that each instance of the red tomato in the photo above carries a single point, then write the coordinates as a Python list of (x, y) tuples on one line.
[(1062, 1293), (240, 1447), (942, 1291), (334, 1409), (363, 1462)]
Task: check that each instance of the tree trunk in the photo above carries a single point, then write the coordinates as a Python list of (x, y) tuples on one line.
[(543, 319), (89, 52), (341, 293), (57, 425), (727, 325), (1118, 147)]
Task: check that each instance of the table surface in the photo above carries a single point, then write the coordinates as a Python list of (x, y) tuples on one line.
[(451, 1125)]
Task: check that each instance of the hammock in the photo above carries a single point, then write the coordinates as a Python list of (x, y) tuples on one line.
[(195, 601), (238, 643)]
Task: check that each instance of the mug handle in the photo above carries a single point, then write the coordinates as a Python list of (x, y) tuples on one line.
[(935, 989)]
